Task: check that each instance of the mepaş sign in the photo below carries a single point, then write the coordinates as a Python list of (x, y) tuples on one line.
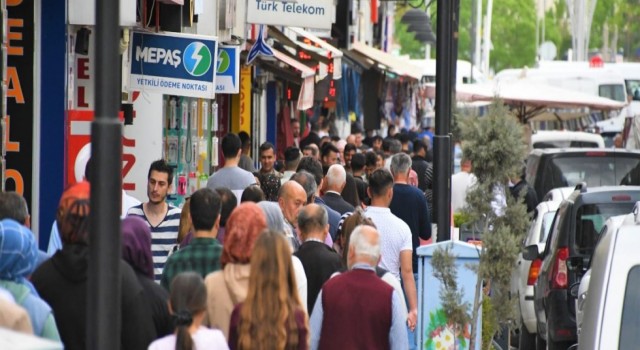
[(176, 64), (318, 14), (228, 74)]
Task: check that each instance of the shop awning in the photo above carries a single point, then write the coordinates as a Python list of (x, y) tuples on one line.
[(389, 62), (334, 53), (306, 77)]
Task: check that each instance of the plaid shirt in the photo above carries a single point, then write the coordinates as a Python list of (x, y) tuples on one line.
[(202, 255)]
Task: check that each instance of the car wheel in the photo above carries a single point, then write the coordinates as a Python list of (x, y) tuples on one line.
[(540, 343), (527, 341)]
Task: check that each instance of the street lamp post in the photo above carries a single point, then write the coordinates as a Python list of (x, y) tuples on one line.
[(103, 298)]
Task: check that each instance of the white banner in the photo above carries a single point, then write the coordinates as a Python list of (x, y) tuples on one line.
[(318, 14)]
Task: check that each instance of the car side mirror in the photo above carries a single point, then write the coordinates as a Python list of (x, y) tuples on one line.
[(531, 252)]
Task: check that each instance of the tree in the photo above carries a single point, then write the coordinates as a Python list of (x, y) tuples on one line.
[(495, 146), (513, 34)]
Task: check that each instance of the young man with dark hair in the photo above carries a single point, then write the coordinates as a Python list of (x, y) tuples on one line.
[(311, 151), (349, 150), (163, 218), (292, 157), (329, 155), (229, 202), (268, 159), (295, 130), (231, 175), (202, 255), (358, 171), (246, 162), (419, 163), (395, 237)]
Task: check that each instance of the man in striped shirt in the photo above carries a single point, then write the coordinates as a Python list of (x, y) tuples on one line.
[(163, 219)]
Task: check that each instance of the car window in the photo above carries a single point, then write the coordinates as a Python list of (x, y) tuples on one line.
[(547, 220), (552, 238), (597, 170), (590, 219), (630, 322)]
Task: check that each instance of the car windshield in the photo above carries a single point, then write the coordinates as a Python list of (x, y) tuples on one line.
[(547, 220), (594, 168), (629, 335), (591, 218)]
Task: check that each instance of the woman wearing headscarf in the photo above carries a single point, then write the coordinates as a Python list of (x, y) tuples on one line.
[(136, 251), (227, 288), (275, 221), (62, 281), (18, 258)]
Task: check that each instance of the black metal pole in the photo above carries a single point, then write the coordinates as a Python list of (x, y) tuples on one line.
[(103, 316), (442, 142)]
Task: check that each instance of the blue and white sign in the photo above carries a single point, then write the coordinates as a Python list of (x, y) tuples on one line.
[(176, 64), (319, 14), (228, 74)]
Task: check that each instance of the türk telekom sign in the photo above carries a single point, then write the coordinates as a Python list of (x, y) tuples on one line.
[(319, 14)]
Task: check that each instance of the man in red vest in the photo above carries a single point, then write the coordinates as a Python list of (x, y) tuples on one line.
[(357, 310)]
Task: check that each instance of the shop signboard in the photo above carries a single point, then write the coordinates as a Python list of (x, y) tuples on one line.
[(228, 74), (317, 14), (175, 64)]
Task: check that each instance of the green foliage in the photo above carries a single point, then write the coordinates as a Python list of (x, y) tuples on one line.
[(494, 145), (513, 34), (489, 323)]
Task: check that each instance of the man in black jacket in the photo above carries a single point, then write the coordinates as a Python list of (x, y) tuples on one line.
[(522, 189), (62, 281), (319, 260), (419, 163), (335, 180)]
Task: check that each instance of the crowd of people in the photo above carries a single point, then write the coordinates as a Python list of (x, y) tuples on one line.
[(315, 250)]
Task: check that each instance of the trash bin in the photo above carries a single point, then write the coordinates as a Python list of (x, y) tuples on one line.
[(434, 332)]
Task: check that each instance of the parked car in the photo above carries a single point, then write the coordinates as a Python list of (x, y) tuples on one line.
[(611, 225), (526, 272), (566, 167), (558, 194), (611, 310), (573, 234), (566, 139)]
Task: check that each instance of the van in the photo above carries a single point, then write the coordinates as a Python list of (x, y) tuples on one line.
[(611, 310), (566, 139), (603, 82)]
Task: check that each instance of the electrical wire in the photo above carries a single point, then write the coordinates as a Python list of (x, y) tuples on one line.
[(150, 12)]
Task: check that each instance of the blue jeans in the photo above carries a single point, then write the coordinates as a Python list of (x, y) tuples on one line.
[(413, 337)]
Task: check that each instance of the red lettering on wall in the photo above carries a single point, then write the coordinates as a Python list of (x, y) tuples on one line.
[(128, 160), (14, 89), (81, 97), (14, 36), (83, 68), (11, 146)]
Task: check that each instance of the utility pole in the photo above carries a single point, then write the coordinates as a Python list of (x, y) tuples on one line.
[(103, 298), (445, 86)]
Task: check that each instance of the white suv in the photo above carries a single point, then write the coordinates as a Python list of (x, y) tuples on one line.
[(526, 272)]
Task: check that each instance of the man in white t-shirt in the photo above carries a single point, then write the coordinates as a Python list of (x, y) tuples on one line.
[(395, 237), (461, 183), (231, 175)]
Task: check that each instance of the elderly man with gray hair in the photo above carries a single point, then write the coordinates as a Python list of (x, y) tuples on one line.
[(370, 315), (335, 180), (319, 260)]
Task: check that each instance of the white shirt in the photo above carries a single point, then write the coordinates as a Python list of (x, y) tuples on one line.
[(461, 182), (301, 280), (395, 237), (203, 338)]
